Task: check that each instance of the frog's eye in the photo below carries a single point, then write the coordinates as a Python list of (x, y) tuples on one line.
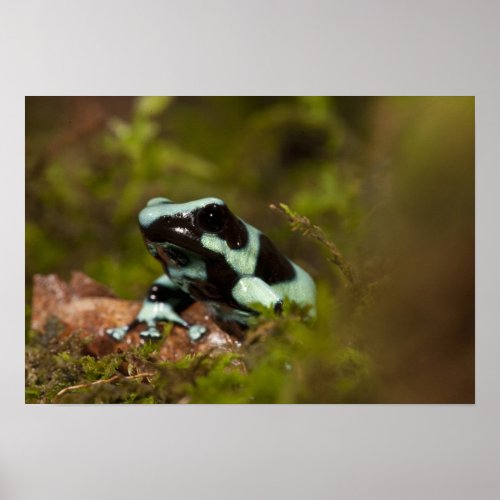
[(212, 218)]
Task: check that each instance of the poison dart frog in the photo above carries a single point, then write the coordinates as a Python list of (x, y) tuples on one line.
[(210, 255)]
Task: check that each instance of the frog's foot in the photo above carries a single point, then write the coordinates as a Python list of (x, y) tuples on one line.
[(117, 333), (151, 333), (278, 308), (195, 332)]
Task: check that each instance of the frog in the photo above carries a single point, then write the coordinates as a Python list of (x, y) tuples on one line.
[(210, 255)]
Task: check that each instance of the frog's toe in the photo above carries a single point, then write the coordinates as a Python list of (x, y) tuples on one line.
[(278, 308), (118, 332), (151, 333), (195, 332)]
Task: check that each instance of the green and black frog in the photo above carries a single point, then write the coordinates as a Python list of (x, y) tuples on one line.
[(210, 255)]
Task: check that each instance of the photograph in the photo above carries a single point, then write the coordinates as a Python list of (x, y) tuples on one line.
[(250, 250)]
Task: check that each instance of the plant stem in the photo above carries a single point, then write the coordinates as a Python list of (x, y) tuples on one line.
[(303, 224), (101, 381)]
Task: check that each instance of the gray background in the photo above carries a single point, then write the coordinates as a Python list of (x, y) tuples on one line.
[(254, 47)]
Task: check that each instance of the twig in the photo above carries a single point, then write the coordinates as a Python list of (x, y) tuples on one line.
[(302, 223), (102, 381)]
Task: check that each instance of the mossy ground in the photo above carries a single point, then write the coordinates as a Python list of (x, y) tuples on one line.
[(279, 362)]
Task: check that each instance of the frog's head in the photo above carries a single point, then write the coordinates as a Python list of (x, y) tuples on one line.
[(174, 232)]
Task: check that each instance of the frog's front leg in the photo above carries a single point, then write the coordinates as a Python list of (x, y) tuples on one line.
[(153, 311), (162, 303)]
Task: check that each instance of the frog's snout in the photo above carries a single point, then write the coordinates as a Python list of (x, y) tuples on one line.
[(153, 210), (147, 216)]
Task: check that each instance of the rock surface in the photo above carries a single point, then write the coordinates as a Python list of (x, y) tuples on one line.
[(85, 306)]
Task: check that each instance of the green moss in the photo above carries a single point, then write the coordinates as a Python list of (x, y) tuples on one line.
[(277, 364)]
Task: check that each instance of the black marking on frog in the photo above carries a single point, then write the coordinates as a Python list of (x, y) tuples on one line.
[(186, 229), (175, 296), (272, 266)]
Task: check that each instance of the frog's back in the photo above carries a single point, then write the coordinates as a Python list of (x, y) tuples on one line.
[(285, 277)]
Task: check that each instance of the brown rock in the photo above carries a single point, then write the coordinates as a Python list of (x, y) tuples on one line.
[(90, 308), (75, 308), (82, 285), (216, 340)]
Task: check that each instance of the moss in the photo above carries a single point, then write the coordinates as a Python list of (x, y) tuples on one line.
[(278, 363)]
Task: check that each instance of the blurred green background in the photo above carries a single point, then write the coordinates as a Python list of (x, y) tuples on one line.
[(390, 180)]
